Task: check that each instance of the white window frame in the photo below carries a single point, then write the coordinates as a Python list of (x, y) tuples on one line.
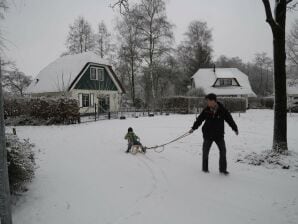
[(100, 78), (96, 75), (91, 100)]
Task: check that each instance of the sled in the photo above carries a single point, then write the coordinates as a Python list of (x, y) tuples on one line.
[(135, 149)]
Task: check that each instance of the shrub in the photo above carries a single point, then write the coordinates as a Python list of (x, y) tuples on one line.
[(43, 110), (261, 103), (21, 163)]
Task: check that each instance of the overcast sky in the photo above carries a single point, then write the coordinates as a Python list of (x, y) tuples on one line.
[(36, 30)]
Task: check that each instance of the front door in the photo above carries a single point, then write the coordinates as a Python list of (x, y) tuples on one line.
[(103, 104)]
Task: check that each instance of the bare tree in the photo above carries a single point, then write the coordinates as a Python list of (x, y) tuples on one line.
[(264, 65), (16, 82), (80, 37), (292, 44), (102, 40), (278, 27), (122, 4), (195, 51), (156, 35), (130, 47)]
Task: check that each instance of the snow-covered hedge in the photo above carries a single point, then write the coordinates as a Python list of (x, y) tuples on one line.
[(261, 102), (192, 104), (41, 111), (21, 162)]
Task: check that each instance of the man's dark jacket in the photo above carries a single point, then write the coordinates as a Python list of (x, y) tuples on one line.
[(213, 127)]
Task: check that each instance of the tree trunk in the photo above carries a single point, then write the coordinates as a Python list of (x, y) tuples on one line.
[(278, 27), (280, 106), (5, 209), (132, 82)]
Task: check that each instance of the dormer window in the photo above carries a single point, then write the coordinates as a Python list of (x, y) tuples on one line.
[(97, 74), (222, 82)]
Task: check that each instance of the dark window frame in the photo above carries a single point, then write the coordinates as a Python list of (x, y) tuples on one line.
[(86, 100)]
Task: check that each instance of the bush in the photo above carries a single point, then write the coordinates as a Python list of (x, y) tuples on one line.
[(261, 103), (21, 163), (37, 111)]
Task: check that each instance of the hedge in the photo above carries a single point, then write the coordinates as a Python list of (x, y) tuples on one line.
[(43, 110), (182, 104), (261, 103)]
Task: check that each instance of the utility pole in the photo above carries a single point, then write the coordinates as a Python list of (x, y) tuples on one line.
[(5, 204)]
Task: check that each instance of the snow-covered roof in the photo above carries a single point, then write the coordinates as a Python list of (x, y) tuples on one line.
[(206, 77), (60, 74), (292, 86)]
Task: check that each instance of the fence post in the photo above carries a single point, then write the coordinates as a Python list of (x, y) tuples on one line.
[(95, 111), (109, 115)]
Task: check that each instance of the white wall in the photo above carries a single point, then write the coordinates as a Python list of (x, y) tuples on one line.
[(114, 98)]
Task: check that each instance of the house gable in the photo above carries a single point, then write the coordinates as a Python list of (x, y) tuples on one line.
[(103, 81)]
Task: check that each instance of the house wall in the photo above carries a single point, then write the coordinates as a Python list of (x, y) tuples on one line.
[(114, 98), (98, 89)]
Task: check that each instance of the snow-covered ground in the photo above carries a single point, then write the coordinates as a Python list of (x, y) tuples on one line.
[(84, 176)]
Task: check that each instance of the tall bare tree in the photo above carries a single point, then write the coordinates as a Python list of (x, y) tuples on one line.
[(264, 65), (80, 37), (102, 40), (278, 28), (130, 47), (157, 36), (195, 51)]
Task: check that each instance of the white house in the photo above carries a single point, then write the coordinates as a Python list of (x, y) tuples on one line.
[(224, 82), (292, 92), (85, 77)]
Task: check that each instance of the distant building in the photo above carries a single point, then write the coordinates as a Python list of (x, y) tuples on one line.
[(85, 77), (292, 93), (224, 82)]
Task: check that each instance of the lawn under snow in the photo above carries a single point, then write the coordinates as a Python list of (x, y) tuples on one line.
[(84, 176)]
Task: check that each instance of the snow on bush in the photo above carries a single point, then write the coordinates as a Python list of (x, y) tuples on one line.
[(21, 163), (271, 159), (41, 111)]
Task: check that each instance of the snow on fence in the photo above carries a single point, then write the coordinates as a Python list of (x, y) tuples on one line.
[(185, 105), (41, 111)]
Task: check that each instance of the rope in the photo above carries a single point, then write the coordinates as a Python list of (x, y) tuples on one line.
[(163, 145)]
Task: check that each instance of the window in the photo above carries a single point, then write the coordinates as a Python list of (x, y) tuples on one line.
[(85, 100), (100, 74), (97, 74), (225, 82), (93, 75)]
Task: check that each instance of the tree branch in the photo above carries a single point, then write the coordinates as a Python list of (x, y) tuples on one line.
[(269, 17)]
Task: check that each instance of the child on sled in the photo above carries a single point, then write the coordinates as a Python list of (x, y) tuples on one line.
[(133, 139)]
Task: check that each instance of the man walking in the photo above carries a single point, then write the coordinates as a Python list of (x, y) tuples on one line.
[(214, 116)]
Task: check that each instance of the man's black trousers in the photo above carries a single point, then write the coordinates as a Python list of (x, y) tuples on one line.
[(222, 153)]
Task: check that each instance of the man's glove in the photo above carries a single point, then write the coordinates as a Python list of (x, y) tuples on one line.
[(237, 132), (190, 131)]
